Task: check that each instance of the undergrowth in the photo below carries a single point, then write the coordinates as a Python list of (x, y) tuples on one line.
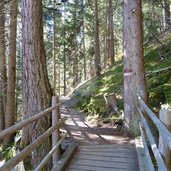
[(157, 57)]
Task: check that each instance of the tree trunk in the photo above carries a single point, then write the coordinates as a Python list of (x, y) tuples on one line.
[(1, 112), (166, 14), (37, 91), (75, 56), (54, 54), (59, 79), (111, 33), (75, 65), (64, 67), (111, 103), (106, 51), (84, 47), (134, 77), (11, 81), (3, 81), (97, 49)]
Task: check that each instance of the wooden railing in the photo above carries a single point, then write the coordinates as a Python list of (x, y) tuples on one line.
[(54, 130), (147, 136)]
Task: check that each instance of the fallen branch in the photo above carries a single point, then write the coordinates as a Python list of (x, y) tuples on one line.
[(157, 71)]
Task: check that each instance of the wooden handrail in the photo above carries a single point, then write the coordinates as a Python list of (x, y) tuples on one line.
[(19, 157), (49, 155), (162, 129), (25, 122), (146, 151), (160, 162)]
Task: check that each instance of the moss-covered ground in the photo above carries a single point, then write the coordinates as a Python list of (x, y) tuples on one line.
[(157, 56)]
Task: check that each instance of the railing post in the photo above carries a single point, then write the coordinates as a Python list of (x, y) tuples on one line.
[(165, 117), (55, 134)]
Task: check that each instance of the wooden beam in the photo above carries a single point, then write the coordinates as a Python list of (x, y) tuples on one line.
[(49, 155), (165, 117), (164, 132), (20, 156), (25, 122), (160, 162), (147, 154), (56, 133), (65, 158)]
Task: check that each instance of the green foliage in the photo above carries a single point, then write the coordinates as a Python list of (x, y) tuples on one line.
[(91, 93), (158, 84), (158, 56), (8, 153)]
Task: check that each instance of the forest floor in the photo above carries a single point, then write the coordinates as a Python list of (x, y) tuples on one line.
[(98, 147)]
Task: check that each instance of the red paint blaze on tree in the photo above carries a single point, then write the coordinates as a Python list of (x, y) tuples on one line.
[(134, 79), (127, 70)]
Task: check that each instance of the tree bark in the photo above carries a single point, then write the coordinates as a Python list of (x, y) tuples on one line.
[(134, 77), (59, 79), (111, 34), (75, 56), (111, 103), (3, 81), (54, 54), (37, 91), (1, 112), (11, 81), (97, 49), (166, 14), (84, 46), (106, 51), (64, 66)]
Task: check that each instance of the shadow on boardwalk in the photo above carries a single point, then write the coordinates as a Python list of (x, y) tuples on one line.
[(99, 149)]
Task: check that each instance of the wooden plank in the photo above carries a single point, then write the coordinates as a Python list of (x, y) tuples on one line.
[(75, 169), (20, 156), (162, 129), (105, 158), (112, 150), (25, 122), (160, 162), (147, 154), (143, 156), (96, 168), (165, 117), (101, 146), (107, 164), (119, 155), (65, 158), (108, 146)]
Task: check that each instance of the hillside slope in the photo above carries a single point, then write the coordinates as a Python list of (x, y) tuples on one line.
[(158, 75)]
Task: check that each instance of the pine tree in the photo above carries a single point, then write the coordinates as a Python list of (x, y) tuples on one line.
[(36, 87), (134, 77), (96, 38), (111, 33), (3, 74), (10, 104)]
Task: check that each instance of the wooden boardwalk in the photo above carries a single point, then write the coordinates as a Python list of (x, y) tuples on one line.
[(99, 149)]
